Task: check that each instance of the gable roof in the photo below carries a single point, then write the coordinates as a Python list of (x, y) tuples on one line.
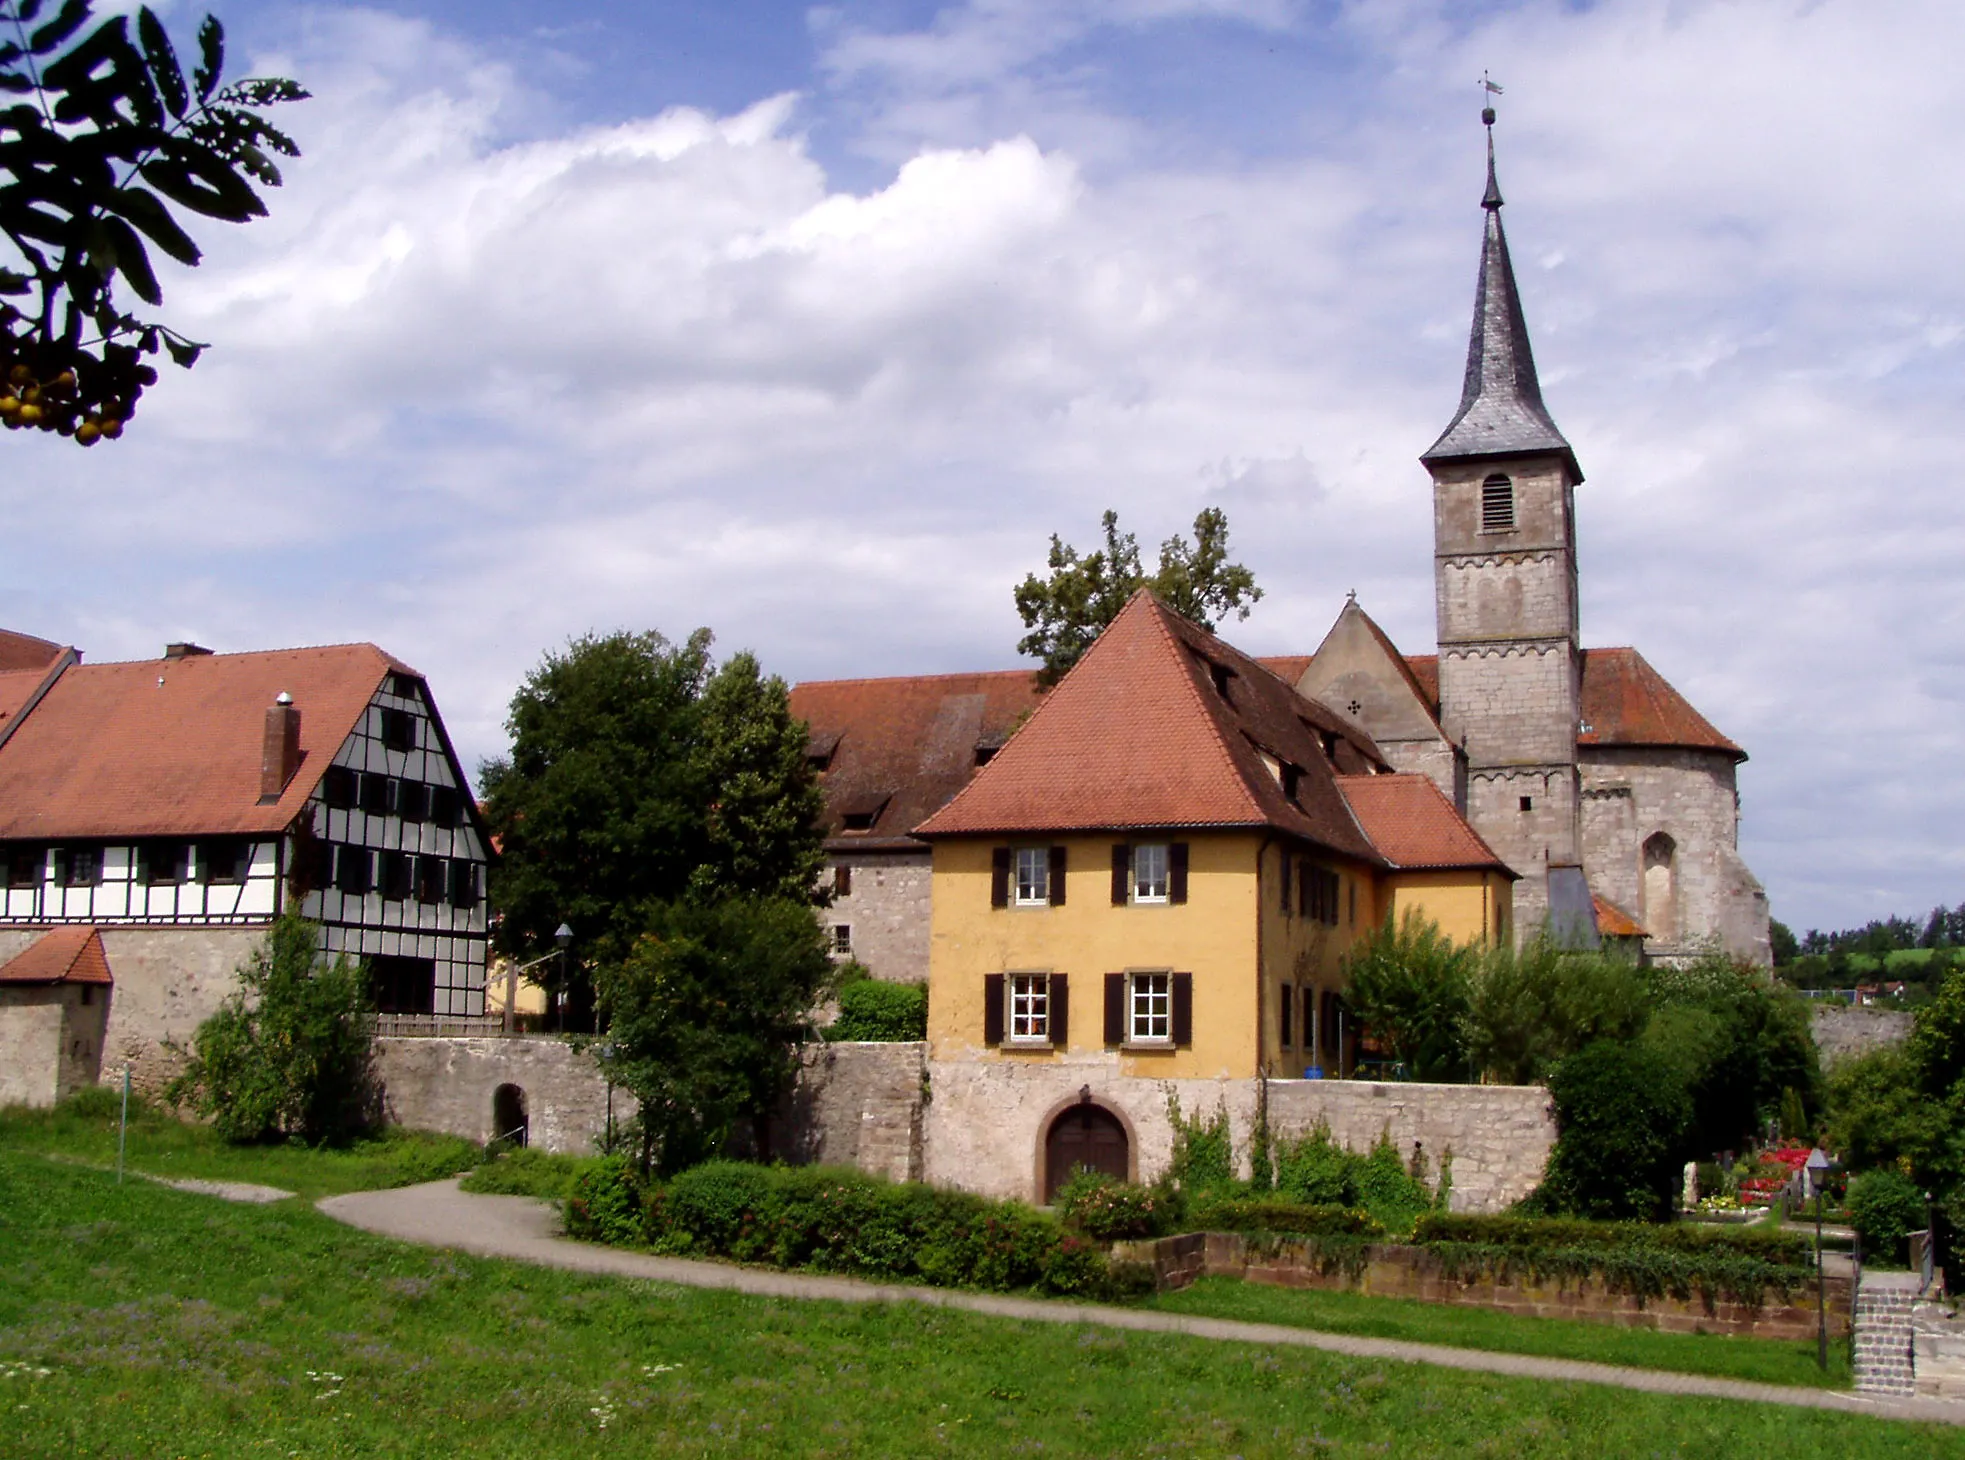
[(24, 651), (67, 955), (900, 748), (1138, 735), (171, 747), (1627, 702), (1414, 826)]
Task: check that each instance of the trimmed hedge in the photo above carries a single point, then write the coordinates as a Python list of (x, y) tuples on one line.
[(1213, 1213), (832, 1220), (1765, 1244), (873, 1010)]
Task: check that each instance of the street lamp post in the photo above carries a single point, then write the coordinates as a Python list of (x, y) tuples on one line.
[(562, 935), (1818, 1171)]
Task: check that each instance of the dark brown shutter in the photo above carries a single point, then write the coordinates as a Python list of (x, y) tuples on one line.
[(1177, 872), (992, 1008), (1285, 1007), (1303, 870), (1183, 1009), (999, 877), (1057, 876), (842, 880), (1288, 902), (1115, 1008), (1060, 1011), (1122, 873)]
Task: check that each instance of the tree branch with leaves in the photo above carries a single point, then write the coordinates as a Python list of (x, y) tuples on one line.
[(105, 138), (1066, 611)]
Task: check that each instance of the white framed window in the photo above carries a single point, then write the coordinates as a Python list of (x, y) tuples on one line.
[(1150, 872), (1030, 1008), (842, 938), (1033, 877), (1149, 1008)]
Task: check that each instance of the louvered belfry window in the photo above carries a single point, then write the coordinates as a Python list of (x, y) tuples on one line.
[(1497, 504)]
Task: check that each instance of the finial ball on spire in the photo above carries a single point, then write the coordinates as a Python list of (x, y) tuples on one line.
[(1487, 116)]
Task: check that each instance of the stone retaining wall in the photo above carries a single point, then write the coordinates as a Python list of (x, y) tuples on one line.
[(1393, 1270), (855, 1105), (1842, 1031)]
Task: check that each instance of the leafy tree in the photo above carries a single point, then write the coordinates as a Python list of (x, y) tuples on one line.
[(288, 1054), (1409, 988), (1621, 1118), (1786, 947), (1067, 611), (108, 136), (1879, 1116), (704, 1016), (1533, 1006), (640, 774), (1885, 1207)]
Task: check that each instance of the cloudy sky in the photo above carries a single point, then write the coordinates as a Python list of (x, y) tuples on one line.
[(812, 323)]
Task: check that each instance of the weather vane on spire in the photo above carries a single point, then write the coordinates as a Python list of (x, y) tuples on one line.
[(1488, 89)]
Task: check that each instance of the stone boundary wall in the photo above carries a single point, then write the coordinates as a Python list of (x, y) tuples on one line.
[(856, 1105), (1500, 1135), (1842, 1031), (1394, 1270)]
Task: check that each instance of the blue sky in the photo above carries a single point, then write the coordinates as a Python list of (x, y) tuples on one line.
[(811, 324)]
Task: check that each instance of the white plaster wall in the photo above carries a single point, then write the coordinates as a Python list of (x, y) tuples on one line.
[(30, 1046)]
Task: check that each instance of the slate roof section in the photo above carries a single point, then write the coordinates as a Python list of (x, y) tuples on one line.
[(1162, 725), (171, 747), (904, 745), (66, 955), (1627, 702), (1501, 411), (1414, 826)]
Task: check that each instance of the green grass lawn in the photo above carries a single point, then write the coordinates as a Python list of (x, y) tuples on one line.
[(161, 1145), (170, 1324), (1763, 1360)]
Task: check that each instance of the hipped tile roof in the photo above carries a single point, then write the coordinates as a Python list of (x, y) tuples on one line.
[(904, 746), (1413, 824), (67, 955), (1627, 702), (1138, 736), (172, 747)]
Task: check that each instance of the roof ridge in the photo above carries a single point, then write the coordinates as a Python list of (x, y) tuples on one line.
[(254, 654), (918, 678)]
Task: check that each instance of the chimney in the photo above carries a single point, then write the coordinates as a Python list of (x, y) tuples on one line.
[(185, 650), (279, 755)]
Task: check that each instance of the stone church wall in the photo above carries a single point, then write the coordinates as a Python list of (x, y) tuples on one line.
[(1629, 794), (1505, 595), (1513, 706)]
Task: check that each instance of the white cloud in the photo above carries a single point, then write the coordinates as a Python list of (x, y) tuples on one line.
[(471, 393)]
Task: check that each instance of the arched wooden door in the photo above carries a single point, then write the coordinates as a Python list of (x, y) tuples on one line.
[(1084, 1135)]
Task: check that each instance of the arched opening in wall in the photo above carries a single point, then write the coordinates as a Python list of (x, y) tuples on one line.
[(1085, 1135), (508, 1118), (1661, 887)]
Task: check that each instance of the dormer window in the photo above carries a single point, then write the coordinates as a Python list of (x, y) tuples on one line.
[(1221, 674), (1292, 778), (860, 820), (819, 752), (1497, 504)]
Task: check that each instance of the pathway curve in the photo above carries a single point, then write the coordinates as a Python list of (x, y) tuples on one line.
[(527, 1230)]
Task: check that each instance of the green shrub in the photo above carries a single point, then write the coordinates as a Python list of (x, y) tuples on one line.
[(875, 1010), (1408, 987), (290, 1053), (1780, 1246), (1204, 1150), (528, 1172), (1220, 1212), (102, 1103), (715, 1207), (1885, 1207), (1393, 1195), (1109, 1210), (1621, 1114), (1314, 1169), (607, 1204)]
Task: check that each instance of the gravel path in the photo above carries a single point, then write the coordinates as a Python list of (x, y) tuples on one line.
[(517, 1227)]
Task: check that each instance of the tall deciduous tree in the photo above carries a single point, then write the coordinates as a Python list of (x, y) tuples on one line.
[(1066, 611), (642, 774), (705, 1016), (104, 135)]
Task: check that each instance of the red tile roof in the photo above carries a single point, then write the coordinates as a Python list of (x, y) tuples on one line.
[(900, 748), (1414, 826), (24, 651), (1627, 702), (67, 955), (1139, 735), (1614, 922), (172, 747)]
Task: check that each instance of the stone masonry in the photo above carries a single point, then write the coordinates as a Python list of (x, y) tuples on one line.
[(856, 1105), (1883, 1332), (1842, 1032), (450, 1085), (887, 912)]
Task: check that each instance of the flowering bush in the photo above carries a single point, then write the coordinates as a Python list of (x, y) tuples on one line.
[(1107, 1209)]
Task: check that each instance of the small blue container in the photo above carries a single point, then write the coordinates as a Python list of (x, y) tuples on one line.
[(1313, 1072)]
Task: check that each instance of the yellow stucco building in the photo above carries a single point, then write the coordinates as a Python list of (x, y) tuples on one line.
[(1158, 877)]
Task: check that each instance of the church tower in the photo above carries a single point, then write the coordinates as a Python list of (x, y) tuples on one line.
[(1504, 563)]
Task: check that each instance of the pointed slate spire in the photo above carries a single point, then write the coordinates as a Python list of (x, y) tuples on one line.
[(1501, 411)]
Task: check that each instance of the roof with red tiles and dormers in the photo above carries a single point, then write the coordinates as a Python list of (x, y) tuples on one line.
[(1161, 724), (172, 747), (66, 955), (1413, 824)]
